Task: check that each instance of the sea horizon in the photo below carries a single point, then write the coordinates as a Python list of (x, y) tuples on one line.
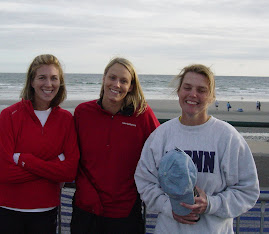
[(84, 86)]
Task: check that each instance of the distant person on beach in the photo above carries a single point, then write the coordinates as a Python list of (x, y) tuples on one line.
[(258, 105), (112, 131), (226, 180), (216, 104), (38, 151), (229, 106)]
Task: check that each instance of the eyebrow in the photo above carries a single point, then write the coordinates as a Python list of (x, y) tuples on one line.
[(120, 77), (188, 84)]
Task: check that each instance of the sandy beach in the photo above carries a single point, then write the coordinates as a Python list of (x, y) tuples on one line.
[(167, 109), (170, 109)]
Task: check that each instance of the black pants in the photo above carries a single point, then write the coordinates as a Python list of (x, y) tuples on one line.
[(16, 222), (84, 222)]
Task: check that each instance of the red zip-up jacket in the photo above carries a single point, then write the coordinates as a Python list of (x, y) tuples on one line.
[(35, 181), (110, 147)]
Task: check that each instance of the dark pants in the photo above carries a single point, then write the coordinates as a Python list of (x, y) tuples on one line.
[(84, 222), (16, 222)]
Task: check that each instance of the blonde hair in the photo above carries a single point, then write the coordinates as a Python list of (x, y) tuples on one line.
[(200, 69), (135, 96), (44, 59)]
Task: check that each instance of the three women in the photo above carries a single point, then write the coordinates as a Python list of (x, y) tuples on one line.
[(38, 151)]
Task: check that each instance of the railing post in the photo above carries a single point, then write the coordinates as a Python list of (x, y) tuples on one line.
[(262, 215), (144, 215), (237, 225), (263, 199)]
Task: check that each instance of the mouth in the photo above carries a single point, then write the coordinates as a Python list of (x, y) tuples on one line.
[(47, 91), (114, 91), (192, 102)]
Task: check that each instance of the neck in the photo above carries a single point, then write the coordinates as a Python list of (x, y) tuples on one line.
[(112, 107), (193, 120), (40, 107)]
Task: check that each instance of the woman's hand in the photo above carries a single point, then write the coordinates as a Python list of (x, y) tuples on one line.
[(191, 218), (199, 207)]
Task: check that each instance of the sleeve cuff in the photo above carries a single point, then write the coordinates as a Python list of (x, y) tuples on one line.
[(16, 157)]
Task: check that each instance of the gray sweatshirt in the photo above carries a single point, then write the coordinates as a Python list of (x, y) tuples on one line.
[(226, 172)]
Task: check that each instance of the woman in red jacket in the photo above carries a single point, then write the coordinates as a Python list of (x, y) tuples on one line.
[(38, 151), (112, 131)]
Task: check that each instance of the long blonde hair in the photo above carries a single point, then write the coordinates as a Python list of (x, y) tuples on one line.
[(135, 96)]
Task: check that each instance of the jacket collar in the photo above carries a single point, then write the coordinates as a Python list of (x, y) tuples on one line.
[(29, 106), (127, 111)]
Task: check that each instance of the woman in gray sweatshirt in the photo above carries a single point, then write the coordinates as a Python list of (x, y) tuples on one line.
[(227, 179)]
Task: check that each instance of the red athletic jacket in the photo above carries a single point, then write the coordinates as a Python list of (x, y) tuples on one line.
[(110, 148), (34, 182)]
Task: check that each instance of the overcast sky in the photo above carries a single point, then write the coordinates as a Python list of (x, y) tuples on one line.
[(157, 36)]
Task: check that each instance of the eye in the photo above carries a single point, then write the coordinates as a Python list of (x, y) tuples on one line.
[(202, 90), (124, 81), (54, 78), (112, 77), (187, 88)]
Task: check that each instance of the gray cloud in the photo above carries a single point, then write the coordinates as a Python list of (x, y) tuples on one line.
[(86, 34)]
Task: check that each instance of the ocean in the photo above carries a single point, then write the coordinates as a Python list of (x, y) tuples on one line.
[(87, 87)]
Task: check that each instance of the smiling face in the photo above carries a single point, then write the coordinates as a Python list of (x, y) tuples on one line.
[(117, 84), (46, 84), (194, 98)]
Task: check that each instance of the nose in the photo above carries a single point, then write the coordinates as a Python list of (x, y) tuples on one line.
[(117, 83), (193, 93), (48, 82)]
